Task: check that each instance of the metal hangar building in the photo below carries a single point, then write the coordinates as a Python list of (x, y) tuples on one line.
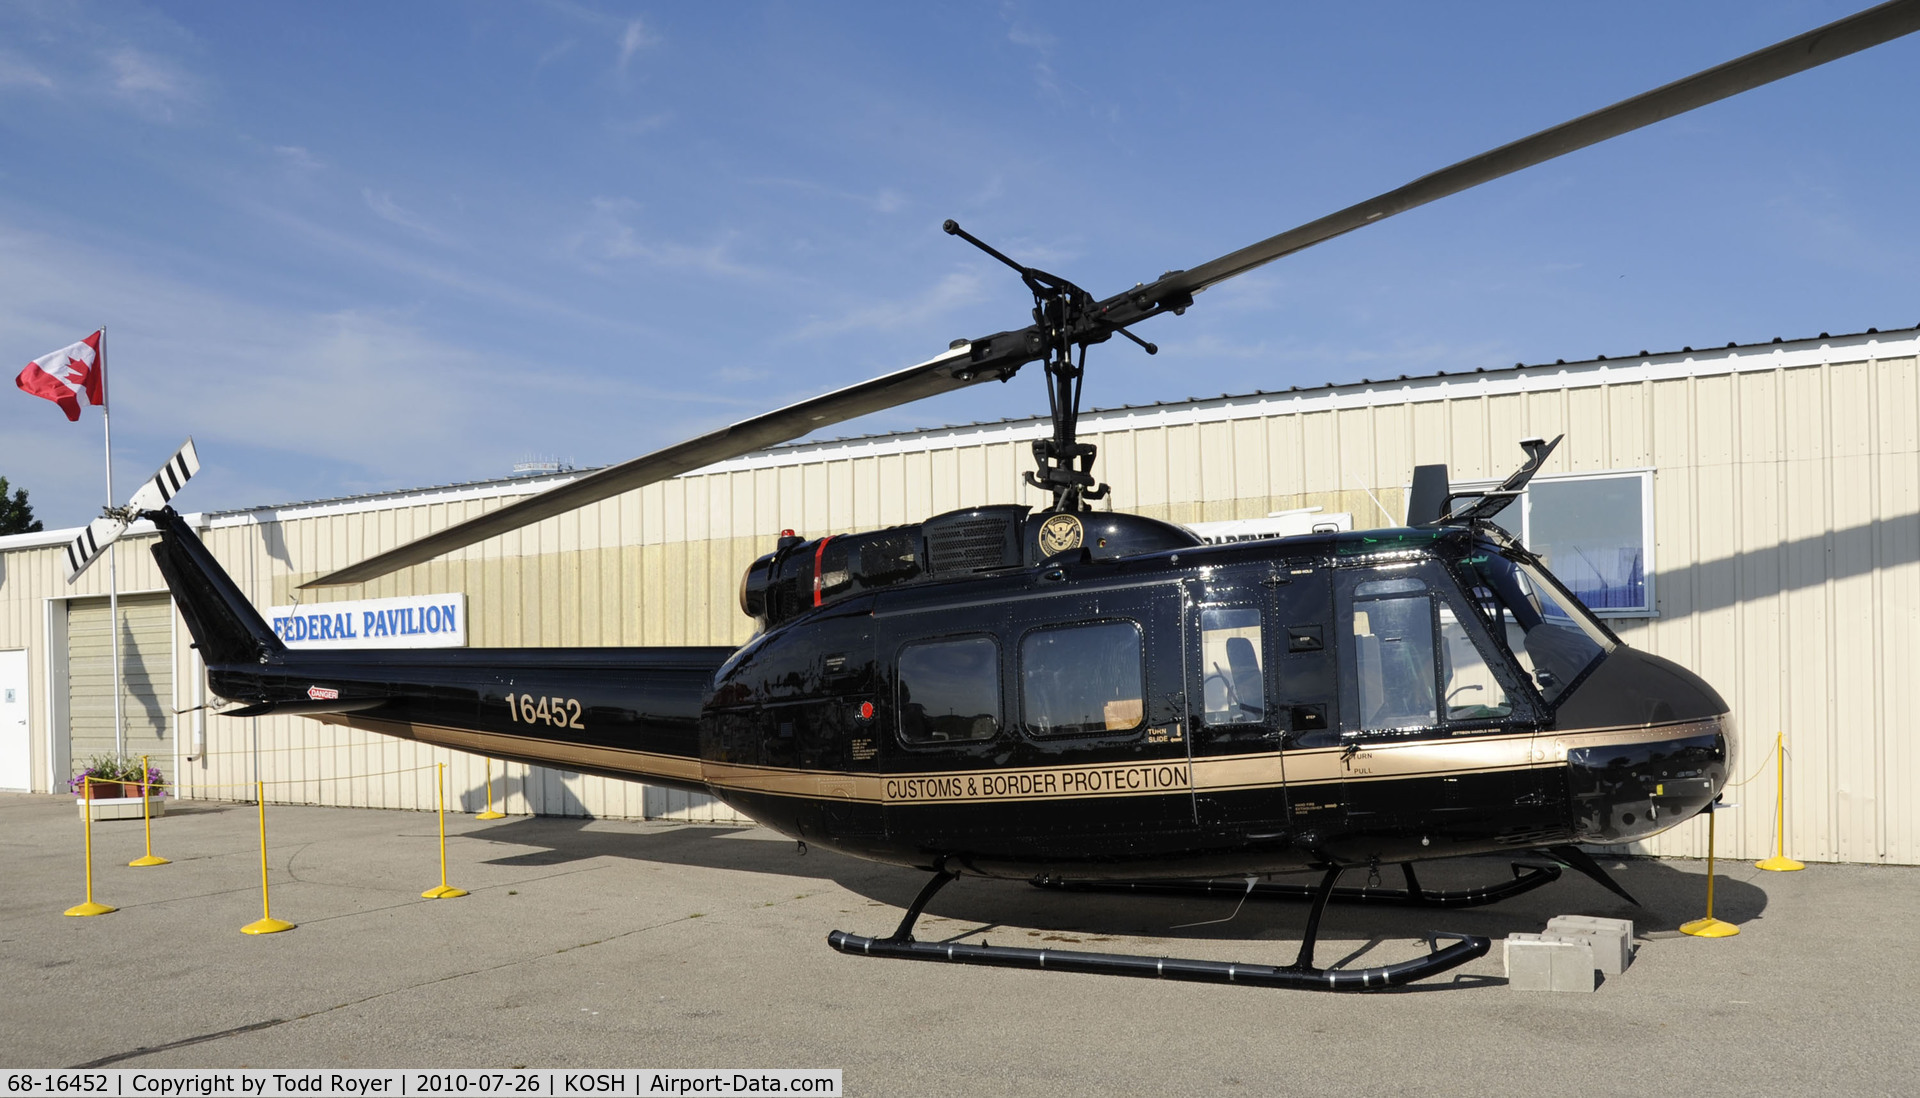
[(1752, 512)]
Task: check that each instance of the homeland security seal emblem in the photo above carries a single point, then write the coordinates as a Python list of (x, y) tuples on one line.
[(1059, 534)]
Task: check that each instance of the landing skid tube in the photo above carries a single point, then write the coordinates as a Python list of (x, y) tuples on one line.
[(1301, 974), (1526, 878)]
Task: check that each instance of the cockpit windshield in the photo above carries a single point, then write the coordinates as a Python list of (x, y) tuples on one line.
[(1551, 635)]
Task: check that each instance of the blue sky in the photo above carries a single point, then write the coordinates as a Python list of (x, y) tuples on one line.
[(353, 247)]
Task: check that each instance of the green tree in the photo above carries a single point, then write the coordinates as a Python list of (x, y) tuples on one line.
[(16, 514)]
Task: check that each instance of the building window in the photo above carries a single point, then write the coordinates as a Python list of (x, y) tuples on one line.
[(1595, 534), (950, 690), (1083, 678)]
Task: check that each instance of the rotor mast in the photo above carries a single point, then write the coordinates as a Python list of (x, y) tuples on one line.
[(1064, 316)]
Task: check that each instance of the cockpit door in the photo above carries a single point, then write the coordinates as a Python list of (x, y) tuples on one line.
[(1436, 722)]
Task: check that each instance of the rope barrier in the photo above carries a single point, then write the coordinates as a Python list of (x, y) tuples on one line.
[(266, 924), (1757, 770), (202, 787), (374, 740)]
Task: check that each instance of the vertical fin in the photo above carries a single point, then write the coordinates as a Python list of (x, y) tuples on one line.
[(223, 622)]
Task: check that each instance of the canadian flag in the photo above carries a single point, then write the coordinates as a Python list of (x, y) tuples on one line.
[(63, 375)]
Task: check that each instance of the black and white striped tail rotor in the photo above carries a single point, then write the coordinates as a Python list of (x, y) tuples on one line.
[(152, 496), (159, 491)]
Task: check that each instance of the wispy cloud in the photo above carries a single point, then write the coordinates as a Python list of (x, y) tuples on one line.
[(410, 263), (386, 209), (886, 200), (1024, 34), (610, 236), (554, 53), (955, 290), (18, 72), (152, 85), (298, 158), (633, 39)]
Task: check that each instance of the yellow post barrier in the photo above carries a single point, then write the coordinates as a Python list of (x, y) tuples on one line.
[(445, 891), (89, 908), (146, 814), (1709, 927), (1780, 863), (490, 814), (267, 924)]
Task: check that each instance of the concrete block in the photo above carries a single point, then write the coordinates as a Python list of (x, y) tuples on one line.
[(1536, 962), (1611, 939)]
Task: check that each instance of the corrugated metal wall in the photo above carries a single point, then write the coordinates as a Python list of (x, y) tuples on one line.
[(1786, 555)]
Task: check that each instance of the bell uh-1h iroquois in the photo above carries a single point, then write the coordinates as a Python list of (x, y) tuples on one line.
[(1083, 698)]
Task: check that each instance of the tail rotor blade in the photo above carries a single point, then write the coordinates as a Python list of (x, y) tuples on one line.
[(153, 495), (157, 492), (99, 534)]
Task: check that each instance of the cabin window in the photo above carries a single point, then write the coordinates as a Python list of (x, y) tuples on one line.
[(1083, 678), (950, 690), (1230, 665), (1393, 653)]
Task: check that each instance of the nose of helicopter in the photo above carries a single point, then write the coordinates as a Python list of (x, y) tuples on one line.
[(1649, 744)]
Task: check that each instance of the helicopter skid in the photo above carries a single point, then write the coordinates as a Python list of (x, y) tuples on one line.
[(1526, 878), (1465, 948), (1301, 975)]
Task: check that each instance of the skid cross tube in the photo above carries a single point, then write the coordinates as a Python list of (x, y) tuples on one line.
[(1526, 878), (1300, 975)]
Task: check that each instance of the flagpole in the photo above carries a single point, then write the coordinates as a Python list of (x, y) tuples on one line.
[(113, 552)]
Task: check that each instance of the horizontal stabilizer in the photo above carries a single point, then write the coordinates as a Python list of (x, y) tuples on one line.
[(300, 707)]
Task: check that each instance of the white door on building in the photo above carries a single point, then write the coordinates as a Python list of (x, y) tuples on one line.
[(16, 747)]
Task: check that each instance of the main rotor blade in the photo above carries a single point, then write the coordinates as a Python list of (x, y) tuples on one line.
[(999, 355), (1806, 51), (950, 371)]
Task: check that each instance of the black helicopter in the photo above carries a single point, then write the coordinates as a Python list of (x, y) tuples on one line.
[(1084, 698)]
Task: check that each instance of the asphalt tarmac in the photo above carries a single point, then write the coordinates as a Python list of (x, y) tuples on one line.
[(604, 943)]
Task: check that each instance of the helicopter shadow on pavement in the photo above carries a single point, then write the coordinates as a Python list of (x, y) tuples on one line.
[(1016, 913)]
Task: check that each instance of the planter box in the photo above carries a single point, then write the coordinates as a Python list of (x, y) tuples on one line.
[(122, 808)]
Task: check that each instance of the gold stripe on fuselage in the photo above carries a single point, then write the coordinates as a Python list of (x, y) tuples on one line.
[(1274, 770)]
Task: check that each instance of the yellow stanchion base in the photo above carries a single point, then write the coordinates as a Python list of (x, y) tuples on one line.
[(267, 926), (90, 908), (489, 814), (150, 859), (1709, 928), (442, 892), (1780, 865)]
